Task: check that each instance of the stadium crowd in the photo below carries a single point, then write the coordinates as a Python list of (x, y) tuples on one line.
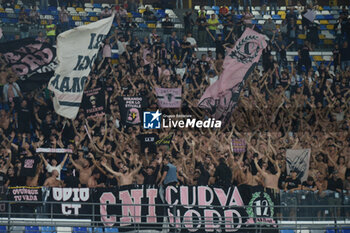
[(283, 105)]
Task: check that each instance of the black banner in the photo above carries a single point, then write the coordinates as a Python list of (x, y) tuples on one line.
[(18, 194), (65, 198), (94, 102), (136, 205), (190, 208), (33, 61), (131, 109)]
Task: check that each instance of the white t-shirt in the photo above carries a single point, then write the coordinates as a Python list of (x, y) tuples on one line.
[(191, 40), (58, 168), (121, 48), (213, 79)]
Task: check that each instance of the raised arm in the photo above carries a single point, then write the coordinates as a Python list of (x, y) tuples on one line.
[(64, 160), (43, 159), (210, 34), (77, 166), (258, 167), (110, 170)]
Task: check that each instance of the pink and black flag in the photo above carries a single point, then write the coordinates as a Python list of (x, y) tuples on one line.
[(221, 97)]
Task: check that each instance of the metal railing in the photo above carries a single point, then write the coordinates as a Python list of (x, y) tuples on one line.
[(299, 210)]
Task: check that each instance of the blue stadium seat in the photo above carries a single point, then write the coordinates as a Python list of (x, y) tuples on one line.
[(319, 17), (3, 15), (95, 230), (45, 12), (323, 27), (52, 8), (3, 229), (331, 231), (46, 229), (327, 8), (79, 230), (142, 25), (115, 56), (111, 230), (329, 17), (276, 17), (345, 230), (97, 5), (215, 8), (31, 229), (5, 20), (286, 231)]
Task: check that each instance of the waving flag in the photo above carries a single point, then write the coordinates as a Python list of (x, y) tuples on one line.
[(76, 53), (221, 97), (33, 62)]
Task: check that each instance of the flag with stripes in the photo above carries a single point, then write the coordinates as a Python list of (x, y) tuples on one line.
[(169, 97)]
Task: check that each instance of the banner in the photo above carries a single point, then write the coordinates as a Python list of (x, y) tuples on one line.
[(209, 209), (190, 208), (18, 194), (131, 109), (33, 61), (122, 207), (239, 145), (94, 102), (299, 160), (71, 195), (169, 97), (53, 150), (76, 52), (221, 97)]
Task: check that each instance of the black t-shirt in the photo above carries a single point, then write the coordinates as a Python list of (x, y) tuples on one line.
[(283, 54), (204, 176), (3, 178), (14, 181), (205, 64), (304, 53), (29, 164), (201, 23), (292, 184), (336, 53), (223, 175), (167, 26), (71, 181), (219, 47), (305, 184), (148, 141), (333, 185), (152, 179)]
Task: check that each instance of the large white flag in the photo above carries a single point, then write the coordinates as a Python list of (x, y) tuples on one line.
[(299, 160), (76, 52)]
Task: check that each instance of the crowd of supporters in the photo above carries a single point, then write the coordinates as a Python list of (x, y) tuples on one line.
[(283, 105)]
